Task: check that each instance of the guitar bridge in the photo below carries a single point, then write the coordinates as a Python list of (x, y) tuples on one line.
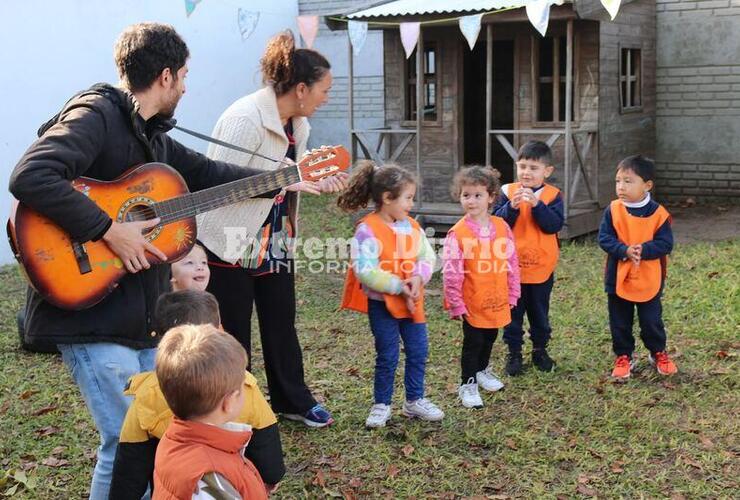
[(83, 261)]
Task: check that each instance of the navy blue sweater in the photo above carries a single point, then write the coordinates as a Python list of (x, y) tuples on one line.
[(549, 217), (658, 248)]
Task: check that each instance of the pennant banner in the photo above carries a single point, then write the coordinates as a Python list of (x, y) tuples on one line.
[(357, 35), (309, 28), (538, 12), (247, 22), (409, 36), (612, 7), (190, 6), (470, 27)]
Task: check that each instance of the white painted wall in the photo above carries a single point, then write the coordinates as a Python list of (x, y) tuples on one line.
[(50, 49)]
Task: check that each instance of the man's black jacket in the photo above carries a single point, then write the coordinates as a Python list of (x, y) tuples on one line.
[(99, 134)]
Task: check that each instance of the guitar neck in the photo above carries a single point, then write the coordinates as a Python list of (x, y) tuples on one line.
[(192, 204)]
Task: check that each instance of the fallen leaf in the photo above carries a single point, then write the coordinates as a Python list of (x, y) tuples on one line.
[(319, 480), (54, 462), (706, 443), (407, 450), (355, 482), (348, 494), (49, 430), (44, 410), (392, 471), (27, 394), (617, 468), (668, 385), (724, 354), (353, 371), (585, 490), (58, 450), (690, 461), (510, 443), (583, 479), (4, 407), (712, 274)]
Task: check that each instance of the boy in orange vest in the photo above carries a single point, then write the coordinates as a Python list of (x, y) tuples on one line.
[(201, 373), (534, 210), (636, 235)]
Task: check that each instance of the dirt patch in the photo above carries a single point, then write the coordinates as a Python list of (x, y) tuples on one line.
[(705, 223)]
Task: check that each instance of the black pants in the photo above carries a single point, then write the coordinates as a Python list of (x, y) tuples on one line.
[(621, 317), (274, 296), (535, 301), (476, 349)]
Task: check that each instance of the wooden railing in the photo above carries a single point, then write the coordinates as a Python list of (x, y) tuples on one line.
[(382, 151)]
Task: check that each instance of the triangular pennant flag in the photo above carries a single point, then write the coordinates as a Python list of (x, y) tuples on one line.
[(612, 7), (470, 27), (190, 6), (357, 35), (538, 12), (409, 36), (309, 28), (247, 21)]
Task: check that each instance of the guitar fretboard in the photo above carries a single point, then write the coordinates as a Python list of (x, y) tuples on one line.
[(192, 204)]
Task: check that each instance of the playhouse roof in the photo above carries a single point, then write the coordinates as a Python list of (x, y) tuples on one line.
[(422, 7)]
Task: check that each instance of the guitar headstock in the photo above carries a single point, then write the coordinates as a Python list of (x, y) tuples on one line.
[(323, 162)]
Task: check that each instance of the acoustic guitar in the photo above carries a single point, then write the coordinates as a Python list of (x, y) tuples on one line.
[(73, 275)]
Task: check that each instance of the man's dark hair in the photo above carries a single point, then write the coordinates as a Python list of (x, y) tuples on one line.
[(537, 151), (144, 50), (640, 165), (185, 307)]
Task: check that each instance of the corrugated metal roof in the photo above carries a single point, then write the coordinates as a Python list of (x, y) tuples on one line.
[(421, 7)]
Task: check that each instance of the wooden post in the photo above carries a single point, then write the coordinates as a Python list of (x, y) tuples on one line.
[(420, 105), (350, 101), (489, 89), (568, 117)]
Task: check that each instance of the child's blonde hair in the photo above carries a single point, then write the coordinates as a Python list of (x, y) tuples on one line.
[(197, 366), (369, 182), (476, 175)]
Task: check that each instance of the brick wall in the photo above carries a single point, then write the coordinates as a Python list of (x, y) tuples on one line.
[(698, 100), (330, 124)]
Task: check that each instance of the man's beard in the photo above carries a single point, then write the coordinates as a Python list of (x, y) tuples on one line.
[(169, 112)]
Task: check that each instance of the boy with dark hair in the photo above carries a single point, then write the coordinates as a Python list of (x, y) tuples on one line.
[(636, 235), (149, 416), (534, 210), (201, 372)]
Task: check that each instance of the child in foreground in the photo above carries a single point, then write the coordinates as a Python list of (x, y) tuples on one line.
[(149, 416), (201, 372), (392, 260), (481, 278), (534, 211), (636, 234)]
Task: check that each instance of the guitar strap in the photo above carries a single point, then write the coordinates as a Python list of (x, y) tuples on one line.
[(228, 145)]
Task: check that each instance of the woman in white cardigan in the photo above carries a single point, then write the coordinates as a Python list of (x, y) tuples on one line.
[(247, 242)]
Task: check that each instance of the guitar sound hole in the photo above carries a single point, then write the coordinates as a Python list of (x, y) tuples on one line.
[(139, 213)]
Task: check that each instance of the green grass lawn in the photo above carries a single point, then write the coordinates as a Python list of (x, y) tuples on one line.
[(566, 434)]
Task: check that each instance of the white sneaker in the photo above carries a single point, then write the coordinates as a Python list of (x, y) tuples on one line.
[(488, 381), (379, 415), (469, 394), (423, 409)]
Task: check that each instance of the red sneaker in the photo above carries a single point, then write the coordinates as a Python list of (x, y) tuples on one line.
[(663, 363), (622, 367)]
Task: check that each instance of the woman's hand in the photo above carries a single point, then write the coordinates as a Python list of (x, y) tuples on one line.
[(304, 187), (334, 183)]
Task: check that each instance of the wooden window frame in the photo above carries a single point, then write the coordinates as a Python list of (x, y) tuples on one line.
[(625, 73), (405, 122), (535, 80)]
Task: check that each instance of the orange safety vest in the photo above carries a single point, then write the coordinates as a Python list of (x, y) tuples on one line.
[(537, 251), (486, 286), (642, 282), (398, 255)]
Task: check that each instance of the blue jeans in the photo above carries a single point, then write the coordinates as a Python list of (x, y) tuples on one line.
[(388, 332), (101, 371)]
